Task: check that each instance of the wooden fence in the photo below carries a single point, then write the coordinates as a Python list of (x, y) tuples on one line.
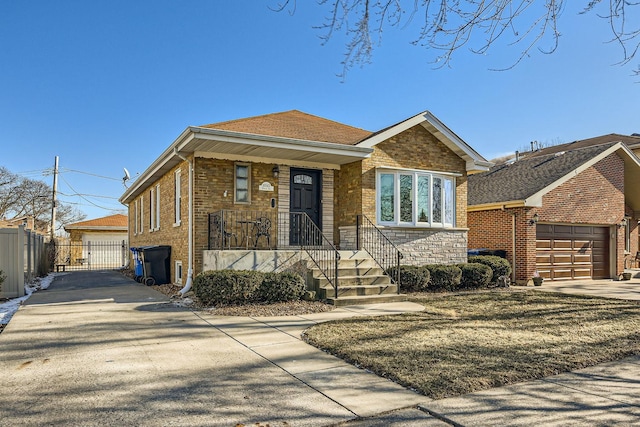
[(21, 255)]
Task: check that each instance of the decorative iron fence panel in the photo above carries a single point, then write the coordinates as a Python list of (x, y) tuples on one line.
[(74, 256)]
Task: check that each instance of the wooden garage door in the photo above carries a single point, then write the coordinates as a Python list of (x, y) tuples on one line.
[(565, 252)]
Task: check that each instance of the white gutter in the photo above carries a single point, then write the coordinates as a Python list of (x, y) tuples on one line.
[(187, 286)]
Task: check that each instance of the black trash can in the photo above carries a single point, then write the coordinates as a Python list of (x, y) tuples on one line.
[(156, 264)]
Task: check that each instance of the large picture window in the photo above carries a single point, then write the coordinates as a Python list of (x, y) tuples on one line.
[(415, 198)]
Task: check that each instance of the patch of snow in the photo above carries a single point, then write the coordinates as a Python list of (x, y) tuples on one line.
[(8, 308)]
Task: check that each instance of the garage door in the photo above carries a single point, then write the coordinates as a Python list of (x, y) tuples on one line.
[(565, 252)]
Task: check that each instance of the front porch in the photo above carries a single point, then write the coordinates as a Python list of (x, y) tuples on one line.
[(291, 241)]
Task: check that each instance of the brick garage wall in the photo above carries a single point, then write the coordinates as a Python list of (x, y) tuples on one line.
[(168, 233), (594, 197), (492, 229)]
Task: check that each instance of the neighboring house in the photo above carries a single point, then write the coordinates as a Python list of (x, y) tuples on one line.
[(223, 189), (96, 243), (566, 212), (29, 223)]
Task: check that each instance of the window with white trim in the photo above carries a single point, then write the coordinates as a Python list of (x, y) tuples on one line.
[(135, 217), (158, 207), (242, 193), (178, 201), (627, 234), (152, 209), (141, 227), (415, 198), (178, 275)]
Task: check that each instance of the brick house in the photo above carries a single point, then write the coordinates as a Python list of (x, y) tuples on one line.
[(567, 212), (242, 193)]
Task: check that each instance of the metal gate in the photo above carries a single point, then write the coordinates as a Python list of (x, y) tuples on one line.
[(74, 256)]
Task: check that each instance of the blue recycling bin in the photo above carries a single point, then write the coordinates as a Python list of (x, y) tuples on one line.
[(137, 265)]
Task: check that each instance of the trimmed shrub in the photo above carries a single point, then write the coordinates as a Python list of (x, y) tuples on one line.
[(444, 277), (227, 287), (499, 266), (412, 278), (277, 287), (475, 275)]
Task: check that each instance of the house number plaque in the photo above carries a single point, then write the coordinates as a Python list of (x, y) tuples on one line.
[(265, 186)]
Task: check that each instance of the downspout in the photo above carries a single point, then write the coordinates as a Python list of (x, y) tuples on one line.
[(513, 248), (187, 286)]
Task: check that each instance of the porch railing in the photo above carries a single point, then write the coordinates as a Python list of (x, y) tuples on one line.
[(235, 229), (321, 251), (370, 239)]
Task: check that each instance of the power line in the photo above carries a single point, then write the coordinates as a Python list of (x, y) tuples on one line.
[(82, 197), (92, 174), (88, 195)]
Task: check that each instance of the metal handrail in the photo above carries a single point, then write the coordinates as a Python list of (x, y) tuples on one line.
[(313, 241), (370, 239), (247, 229)]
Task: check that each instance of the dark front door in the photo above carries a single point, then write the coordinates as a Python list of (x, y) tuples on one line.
[(306, 185)]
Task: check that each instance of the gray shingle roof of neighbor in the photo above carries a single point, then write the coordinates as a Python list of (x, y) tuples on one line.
[(632, 141), (524, 178)]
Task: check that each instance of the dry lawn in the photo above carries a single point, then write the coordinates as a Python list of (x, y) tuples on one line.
[(470, 342)]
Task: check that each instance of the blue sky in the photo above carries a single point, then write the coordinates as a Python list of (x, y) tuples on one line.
[(110, 84)]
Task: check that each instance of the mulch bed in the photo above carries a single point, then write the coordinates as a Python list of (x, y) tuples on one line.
[(290, 308)]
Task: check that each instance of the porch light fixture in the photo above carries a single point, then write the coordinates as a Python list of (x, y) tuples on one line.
[(623, 223), (534, 220), (276, 171)]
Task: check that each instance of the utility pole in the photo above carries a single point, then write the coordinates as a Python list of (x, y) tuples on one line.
[(53, 203)]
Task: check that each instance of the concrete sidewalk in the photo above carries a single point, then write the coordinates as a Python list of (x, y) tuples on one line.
[(100, 349)]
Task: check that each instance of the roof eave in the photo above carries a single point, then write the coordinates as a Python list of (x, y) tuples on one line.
[(474, 161), (497, 206), (190, 140)]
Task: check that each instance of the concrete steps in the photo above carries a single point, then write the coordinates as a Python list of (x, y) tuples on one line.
[(360, 281)]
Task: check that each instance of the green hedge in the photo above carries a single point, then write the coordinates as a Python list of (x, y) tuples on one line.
[(444, 277), (278, 287), (499, 266), (475, 275), (412, 278), (238, 287)]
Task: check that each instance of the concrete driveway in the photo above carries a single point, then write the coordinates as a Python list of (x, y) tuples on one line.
[(621, 289), (99, 349)]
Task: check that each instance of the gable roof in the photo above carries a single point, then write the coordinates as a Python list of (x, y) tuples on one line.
[(632, 141), (296, 125), (524, 182), (290, 137), (116, 222), (475, 162)]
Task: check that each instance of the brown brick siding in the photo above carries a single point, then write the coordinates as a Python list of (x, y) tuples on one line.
[(414, 148), (168, 233), (213, 178), (594, 197)]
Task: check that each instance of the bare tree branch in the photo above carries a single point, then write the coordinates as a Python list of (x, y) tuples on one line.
[(449, 25)]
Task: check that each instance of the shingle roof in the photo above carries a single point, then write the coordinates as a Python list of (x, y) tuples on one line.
[(526, 177), (117, 220), (629, 140), (297, 125)]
